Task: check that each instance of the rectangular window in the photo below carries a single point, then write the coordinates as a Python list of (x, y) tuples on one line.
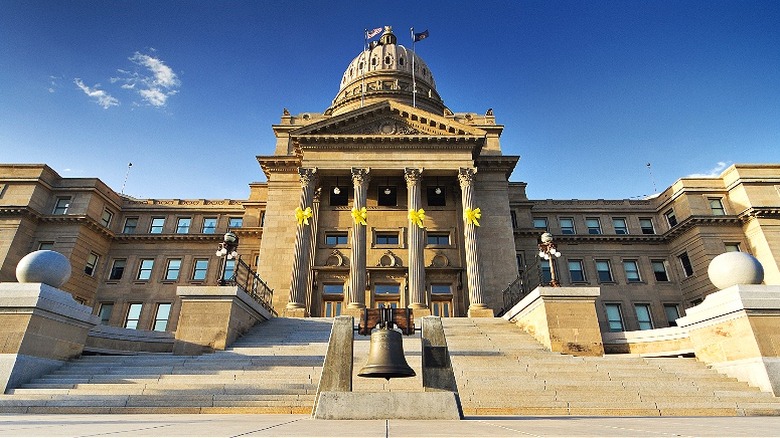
[(332, 308), (544, 269), (337, 238), (183, 225), (620, 225), (157, 225), (716, 206), (567, 225), (659, 270), (45, 246), (209, 225), (686, 264), (172, 269), (387, 289), (672, 312), (105, 219), (199, 269), (604, 271), (576, 273), (91, 265), (333, 289), (262, 219), (540, 223), (614, 317), (62, 205), (441, 288), (230, 269), (130, 224), (388, 196), (161, 317), (339, 196), (732, 247), (646, 224), (117, 269), (435, 238), (513, 216), (671, 219), (593, 224), (643, 316), (145, 269), (105, 312), (235, 222), (437, 196), (632, 271), (387, 238), (133, 315)]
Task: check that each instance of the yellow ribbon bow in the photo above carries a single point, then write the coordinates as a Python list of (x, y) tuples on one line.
[(472, 215), (417, 217), (303, 215), (359, 215)]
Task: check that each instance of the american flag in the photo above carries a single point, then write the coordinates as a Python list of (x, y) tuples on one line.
[(373, 32)]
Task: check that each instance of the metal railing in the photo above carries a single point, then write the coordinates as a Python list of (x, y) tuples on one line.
[(247, 279), (529, 278)]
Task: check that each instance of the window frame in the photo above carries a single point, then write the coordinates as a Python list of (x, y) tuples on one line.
[(59, 209), (719, 209), (205, 229), (685, 263), (620, 230), (626, 271), (437, 235), (655, 263), (196, 270), (540, 219), (128, 228), (106, 222), (46, 245), (105, 319), (732, 247), (610, 318), (142, 269), (387, 238), (572, 229), (644, 228), (591, 229), (112, 274), (154, 228), (579, 264), (169, 269), (183, 225), (671, 218), (158, 319), (338, 235), (642, 323), (676, 307), (130, 307), (608, 271), (91, 264)]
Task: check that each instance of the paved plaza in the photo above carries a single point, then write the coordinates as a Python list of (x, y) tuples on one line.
[(303, 426)]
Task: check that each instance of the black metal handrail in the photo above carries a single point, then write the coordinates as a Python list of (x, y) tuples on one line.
[(247, 279), (529, 278)]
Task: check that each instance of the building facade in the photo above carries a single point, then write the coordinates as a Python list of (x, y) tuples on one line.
[(390, 198)]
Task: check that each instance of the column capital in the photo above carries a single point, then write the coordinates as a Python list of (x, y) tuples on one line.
[(413, 176), (360, 175), (317, 194), (308, 176), (466, 176)]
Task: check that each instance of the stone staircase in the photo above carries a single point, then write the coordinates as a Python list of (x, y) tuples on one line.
[(501, 370), (275, 368)]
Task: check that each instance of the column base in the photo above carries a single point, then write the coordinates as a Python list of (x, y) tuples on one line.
[(480, 312), (420, 310), (295, 311)]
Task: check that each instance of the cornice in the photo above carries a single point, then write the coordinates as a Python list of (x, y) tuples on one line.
[(279, 163), (168, 238), (759, 212), (505, 163)]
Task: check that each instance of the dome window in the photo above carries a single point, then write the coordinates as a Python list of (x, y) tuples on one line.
[(360, 66), (425, 72), (388, 60), (401, 61), (373, 61)]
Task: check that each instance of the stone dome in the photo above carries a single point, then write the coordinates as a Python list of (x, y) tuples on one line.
[(732, 268), (48, 267), (385, 70)]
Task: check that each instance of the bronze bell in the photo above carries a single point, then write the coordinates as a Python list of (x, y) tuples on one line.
[(386, 356)]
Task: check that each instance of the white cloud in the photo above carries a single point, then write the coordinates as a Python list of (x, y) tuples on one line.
[(714, 172), (152, 79), (100, 97), (54, 84)]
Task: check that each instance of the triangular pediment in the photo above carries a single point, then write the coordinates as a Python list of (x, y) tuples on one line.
[(388, 119)]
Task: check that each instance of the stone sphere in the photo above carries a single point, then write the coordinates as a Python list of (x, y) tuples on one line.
[(49, 267), (732, 268)]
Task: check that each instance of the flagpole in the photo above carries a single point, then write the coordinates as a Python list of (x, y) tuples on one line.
[(414, 81), (127, 174), (363, 75)]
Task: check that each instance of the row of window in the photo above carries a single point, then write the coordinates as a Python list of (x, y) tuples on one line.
[(172, 272), (183, 225), (387, 196), (593, 225), (133, 315), (387, 294), (387, 238), (631, 270), (643, 314)]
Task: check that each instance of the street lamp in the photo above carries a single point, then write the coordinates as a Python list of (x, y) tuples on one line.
[(227, 250), (548, 250)]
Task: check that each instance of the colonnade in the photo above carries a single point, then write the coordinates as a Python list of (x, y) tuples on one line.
[(304, 237)]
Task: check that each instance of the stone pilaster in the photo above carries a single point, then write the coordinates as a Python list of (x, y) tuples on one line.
[(357, 263), (296, 306), (417, 295), (477, 307)]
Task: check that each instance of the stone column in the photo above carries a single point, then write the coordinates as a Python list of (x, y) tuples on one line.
[(296, 305), (417, 296), (477, 307), (315, 210), (357, 263)]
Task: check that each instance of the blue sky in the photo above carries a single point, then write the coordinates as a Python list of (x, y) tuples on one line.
[(589, 92)]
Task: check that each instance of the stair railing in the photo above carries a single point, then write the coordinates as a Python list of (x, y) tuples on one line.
[(247, 279), (529, 278)]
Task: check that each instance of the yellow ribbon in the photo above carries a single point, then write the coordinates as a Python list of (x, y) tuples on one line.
[(359, 215), (471, 216), (303, 215), (417, 217)]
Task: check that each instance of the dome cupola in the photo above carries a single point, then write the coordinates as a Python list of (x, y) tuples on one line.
[(384, 71)]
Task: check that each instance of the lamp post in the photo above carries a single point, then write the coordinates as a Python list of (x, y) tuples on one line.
[(548, 250), (227, 250)]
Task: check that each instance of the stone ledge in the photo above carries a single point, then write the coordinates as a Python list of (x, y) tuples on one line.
[(387, 405), (16, 297)]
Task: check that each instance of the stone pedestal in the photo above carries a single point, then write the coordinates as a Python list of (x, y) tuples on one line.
[(737, 332), (41, 327), (563, 319), (212, 317)]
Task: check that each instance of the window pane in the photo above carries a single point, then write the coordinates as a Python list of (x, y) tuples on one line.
[(671, 219), (62, 205), (105, 219), (105, 312), (567, 225), (209, 225), (133, 315), (92, 261), (643, 316), (199, 271), (659, 270), (594, 226), (174, 266), (716, 205), (336, 238), (339, 196), (614, 317), (620, 225), (387, 239), (647, 225), (540, 223), (732, 247), (157, 225), (145, 269), (686, 264), (333, 289), (604, 271), (230, 269), (632, 270), (441, 288), (161, 318), (575, 271), (236, 222), (130, 224), (672, 313), (117, 269), (438, 238), (386, 288), (183, 225)]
